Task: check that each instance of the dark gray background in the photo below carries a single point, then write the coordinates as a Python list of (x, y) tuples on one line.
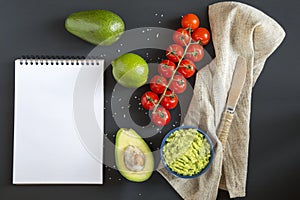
[(36, 27)]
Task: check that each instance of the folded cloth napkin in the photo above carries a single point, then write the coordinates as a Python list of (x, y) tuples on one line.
[(237, 30)]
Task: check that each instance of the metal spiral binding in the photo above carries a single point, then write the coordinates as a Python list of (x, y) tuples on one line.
[(58, 60)]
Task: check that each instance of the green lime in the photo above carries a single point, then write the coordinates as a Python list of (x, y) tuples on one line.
[(130, 70)]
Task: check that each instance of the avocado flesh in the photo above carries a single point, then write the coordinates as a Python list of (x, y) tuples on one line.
[(124, 139), (99, 27)]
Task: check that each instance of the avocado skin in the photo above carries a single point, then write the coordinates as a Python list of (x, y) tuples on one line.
[(99, 27)]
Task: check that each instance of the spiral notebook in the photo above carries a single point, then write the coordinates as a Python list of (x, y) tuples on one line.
[(58, 126)]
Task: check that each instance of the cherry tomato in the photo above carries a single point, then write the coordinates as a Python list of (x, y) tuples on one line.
[(170, 100), (202, 35), (195, 52), (161, 117), (158, 84), (187, 68), (178, 84), (149, 99), (166, 68), (190, 21), (181, 36), (175, 52)]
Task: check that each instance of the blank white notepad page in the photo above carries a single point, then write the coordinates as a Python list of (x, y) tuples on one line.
[(47, 145)]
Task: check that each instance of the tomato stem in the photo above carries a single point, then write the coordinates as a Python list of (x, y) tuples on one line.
[(151, 100), (174, 72)]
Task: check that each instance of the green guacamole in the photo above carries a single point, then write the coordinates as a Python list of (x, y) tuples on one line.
[(186, 152)]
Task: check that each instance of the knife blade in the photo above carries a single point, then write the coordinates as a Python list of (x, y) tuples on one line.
[(237, 84)]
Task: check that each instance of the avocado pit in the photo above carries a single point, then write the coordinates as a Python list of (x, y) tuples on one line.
[(134, 158)]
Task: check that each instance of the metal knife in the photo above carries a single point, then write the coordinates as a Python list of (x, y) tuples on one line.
[(234, 93)]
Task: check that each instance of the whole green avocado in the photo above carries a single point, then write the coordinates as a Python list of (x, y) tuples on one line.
[(99, 27)]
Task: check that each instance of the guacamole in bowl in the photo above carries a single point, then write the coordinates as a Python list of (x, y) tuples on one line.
[(187, 152)]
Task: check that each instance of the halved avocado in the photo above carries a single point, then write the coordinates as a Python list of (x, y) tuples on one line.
[(134, 158)]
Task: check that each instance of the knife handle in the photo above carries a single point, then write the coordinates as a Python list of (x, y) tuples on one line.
[(224, 128)]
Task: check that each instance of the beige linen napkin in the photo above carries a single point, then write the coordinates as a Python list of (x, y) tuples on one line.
[(237, 29)]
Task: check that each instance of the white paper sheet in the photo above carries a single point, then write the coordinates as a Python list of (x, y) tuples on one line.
[(48, 149)]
